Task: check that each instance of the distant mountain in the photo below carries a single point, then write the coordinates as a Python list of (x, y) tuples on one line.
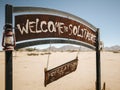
[(72, 48), (53, 48), (66, 48), (75, 48), (112, 48)]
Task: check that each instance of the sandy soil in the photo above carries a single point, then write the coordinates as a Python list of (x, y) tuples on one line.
[(28, 71)]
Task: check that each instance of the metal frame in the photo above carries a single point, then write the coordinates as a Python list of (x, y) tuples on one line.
[(47, 41), (98, 63), (8, 54)]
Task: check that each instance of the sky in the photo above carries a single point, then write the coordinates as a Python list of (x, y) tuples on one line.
[(103, 14)]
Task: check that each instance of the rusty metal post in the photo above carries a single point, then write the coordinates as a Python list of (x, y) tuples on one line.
[(104, 86), (98, 65), (8, 54)]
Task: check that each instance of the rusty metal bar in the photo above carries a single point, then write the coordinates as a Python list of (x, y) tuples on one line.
[(104, 86), (8, 54), (98, 64), (47, 41)]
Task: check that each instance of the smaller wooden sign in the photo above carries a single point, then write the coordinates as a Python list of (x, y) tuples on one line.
[(60, 71)]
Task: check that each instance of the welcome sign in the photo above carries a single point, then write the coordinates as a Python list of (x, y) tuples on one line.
[(35, 26), (64, 25)]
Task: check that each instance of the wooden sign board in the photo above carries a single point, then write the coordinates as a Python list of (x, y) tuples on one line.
[(60, 71), (33, 26)]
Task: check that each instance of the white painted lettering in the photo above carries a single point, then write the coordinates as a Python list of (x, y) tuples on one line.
[(31, 25), (75, 30), (60, 26), (42, 26), (37, 30), (70, 27), (51, 27), (80, 32), (23, 29)]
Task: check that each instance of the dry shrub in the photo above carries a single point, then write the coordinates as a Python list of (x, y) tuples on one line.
[(32, 54)]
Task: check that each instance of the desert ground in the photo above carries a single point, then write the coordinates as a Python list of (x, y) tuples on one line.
[(28, 71)]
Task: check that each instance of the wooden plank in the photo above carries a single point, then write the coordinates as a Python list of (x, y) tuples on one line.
[(60, 71)]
